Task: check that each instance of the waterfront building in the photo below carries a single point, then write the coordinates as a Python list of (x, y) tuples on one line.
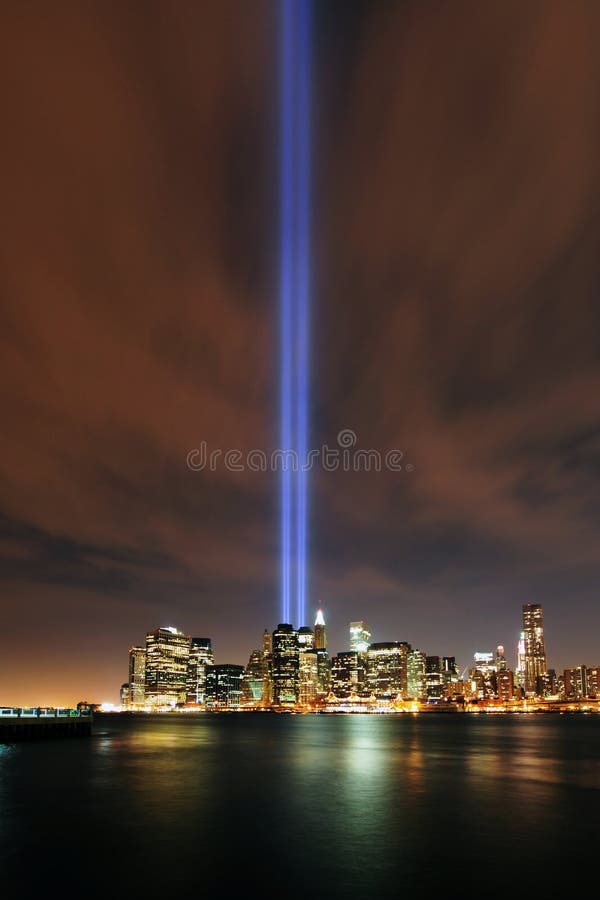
[(308, 677), (593, 682), (200, 657), (387, 668), (520, 671), (320, 633), (434, 678), (167, 654), (416, 688), (224, 686), (505, 685), (252, 680), (267, 648), (360, 637), (125, 696), (348, 673), (323, 671), (484, 674), (286, 662), (576, 683), (137, 676), (535, 648)]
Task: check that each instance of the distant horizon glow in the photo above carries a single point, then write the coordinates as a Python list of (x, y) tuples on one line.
[(294, 297)]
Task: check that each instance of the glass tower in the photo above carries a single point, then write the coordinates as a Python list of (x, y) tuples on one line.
[(535, 649), (285, 663), (167, 655)]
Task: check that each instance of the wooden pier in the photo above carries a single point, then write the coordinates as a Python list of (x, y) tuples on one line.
[(42, 723)]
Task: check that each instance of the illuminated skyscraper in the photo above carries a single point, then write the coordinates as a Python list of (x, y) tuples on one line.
[(434, 678), (137, 676), (252, 680), (520, 671), (323, 672), (167, 654), (506, 684), (360, 637), (267, 648), (224, 686), (320, 634), (306, 638), (349, 673), (308, 677), (201, 656), (286, 662), (500, 658), (387, 668), (535, 649), (416, 686)]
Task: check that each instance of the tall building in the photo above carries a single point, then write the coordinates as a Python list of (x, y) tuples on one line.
[(323, 671), (308, 677), (167, 654), (416, 688), (434, 678), (520, 670), (201, 656), (253, 680), (286, 661), (306, 638), (535, 649), (267, 648), (387, 668), (360, 637), (500, 658), (593, 682), (506, 684), (320, 633), (137, 676), (224, 686), (125, 696), (348, 673), (576, 682)]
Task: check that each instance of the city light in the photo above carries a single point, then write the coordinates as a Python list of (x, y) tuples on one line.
[(294, 296)]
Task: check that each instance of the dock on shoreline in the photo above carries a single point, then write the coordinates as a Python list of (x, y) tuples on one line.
[(41, 723)]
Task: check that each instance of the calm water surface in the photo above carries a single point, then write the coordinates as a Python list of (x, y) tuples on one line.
[(311, 806)]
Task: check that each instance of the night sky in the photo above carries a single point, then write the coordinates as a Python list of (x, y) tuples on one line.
[(456, 160)]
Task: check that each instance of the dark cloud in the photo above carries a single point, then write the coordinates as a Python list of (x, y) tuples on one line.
[(455, 317)]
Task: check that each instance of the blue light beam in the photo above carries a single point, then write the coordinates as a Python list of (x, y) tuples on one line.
[(294, 296)]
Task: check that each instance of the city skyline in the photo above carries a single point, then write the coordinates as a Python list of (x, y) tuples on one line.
[(454, 164), (294, 668)]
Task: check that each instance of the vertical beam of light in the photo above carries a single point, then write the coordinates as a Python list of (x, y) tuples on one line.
[(302, 144), (286, 137), (294, 295)]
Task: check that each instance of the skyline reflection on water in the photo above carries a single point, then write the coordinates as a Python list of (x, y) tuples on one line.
[(356, 806)]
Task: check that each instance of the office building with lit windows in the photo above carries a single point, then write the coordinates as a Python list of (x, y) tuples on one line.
[(253, 680), (167, 655), (387, 668), (308, 677), (416, 687), (200, 657), (224, 686), (137, 676), (360, 637), (348, 673), (505, 682), (285, 662), (535, 648)]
